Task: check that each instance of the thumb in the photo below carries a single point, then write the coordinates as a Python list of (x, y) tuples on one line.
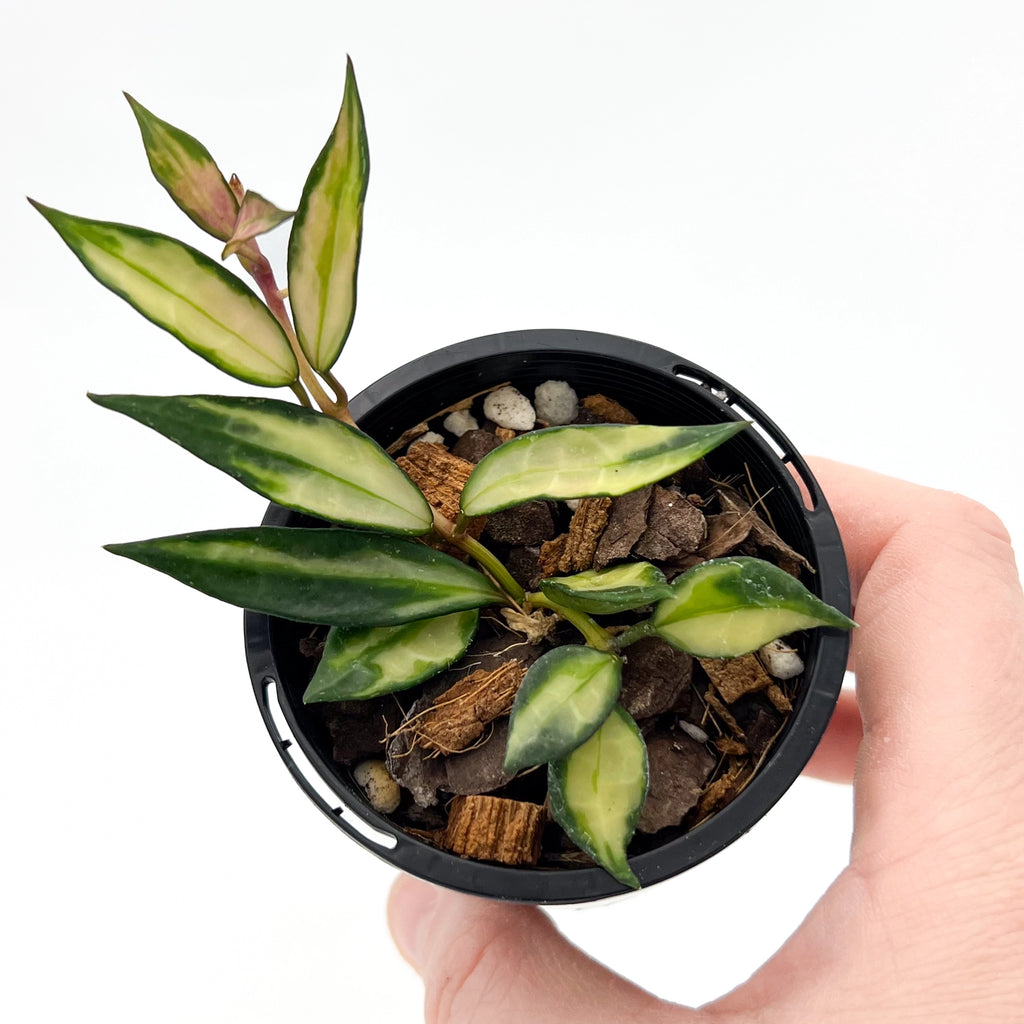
[(484, 962)]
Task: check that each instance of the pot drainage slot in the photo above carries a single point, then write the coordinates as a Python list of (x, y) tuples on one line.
[(765, 436), (714, 387), (312, 782)]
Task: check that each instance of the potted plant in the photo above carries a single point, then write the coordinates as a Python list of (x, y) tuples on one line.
[(641, 586)]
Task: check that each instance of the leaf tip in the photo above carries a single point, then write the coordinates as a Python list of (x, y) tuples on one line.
[(54, 217), (40, 207), (625, 875), (104, 401), (140, 112)]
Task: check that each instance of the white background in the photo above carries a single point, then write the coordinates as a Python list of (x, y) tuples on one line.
[(820, 202)]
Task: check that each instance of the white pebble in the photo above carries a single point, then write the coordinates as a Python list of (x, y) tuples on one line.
[(381, 790), (780, 660), (573, 503), (510, 408), (430, 437), (459, 422), (695, 732), (556, 402)]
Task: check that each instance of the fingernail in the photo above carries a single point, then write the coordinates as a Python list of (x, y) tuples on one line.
[(410, 910)]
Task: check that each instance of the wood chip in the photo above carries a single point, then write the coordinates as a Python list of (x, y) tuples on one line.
[(733, 677), (778, 697), (627, 522), (585, 528), (494, 828), (763, 536), (438, 474), (550, 557), (674, 527), (725, 533), (458, 716), (728, 745), (722, 789), (407, 437), (608, 409), (722, 713)]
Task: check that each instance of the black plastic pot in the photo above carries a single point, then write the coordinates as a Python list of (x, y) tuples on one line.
[(662, 388)]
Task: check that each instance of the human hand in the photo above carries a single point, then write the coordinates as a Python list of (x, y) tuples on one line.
[(927, 921)]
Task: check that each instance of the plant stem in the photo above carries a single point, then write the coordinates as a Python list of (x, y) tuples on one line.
[(300, 393), (485, 558), (595, 635), (340, 395), (634, 633), (263, 274)]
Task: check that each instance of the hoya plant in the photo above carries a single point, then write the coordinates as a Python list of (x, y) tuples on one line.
[(400, 610)]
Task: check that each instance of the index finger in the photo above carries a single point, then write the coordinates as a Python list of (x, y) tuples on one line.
[(939, 651)]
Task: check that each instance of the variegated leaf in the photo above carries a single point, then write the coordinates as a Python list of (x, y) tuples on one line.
[(323, 250), (604, 591), (585, 461), (566, 695), (358, 664), (732, 606), (185, 168), (598, 791), (297, 457), (184, 292), (332, 576)]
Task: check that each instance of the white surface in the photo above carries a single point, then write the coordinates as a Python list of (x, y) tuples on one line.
[(821, 203)]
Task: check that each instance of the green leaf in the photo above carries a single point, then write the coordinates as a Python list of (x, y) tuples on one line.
[(604, 591), (256, 216), (337, 577), (297, 457), (565, 696), (585, 461), (184, 167), (732, 606), (363, 663), (185, 293), (598, 791), (323, 251)]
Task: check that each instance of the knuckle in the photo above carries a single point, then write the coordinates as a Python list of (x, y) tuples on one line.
[(476, 977), (973, 516)]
